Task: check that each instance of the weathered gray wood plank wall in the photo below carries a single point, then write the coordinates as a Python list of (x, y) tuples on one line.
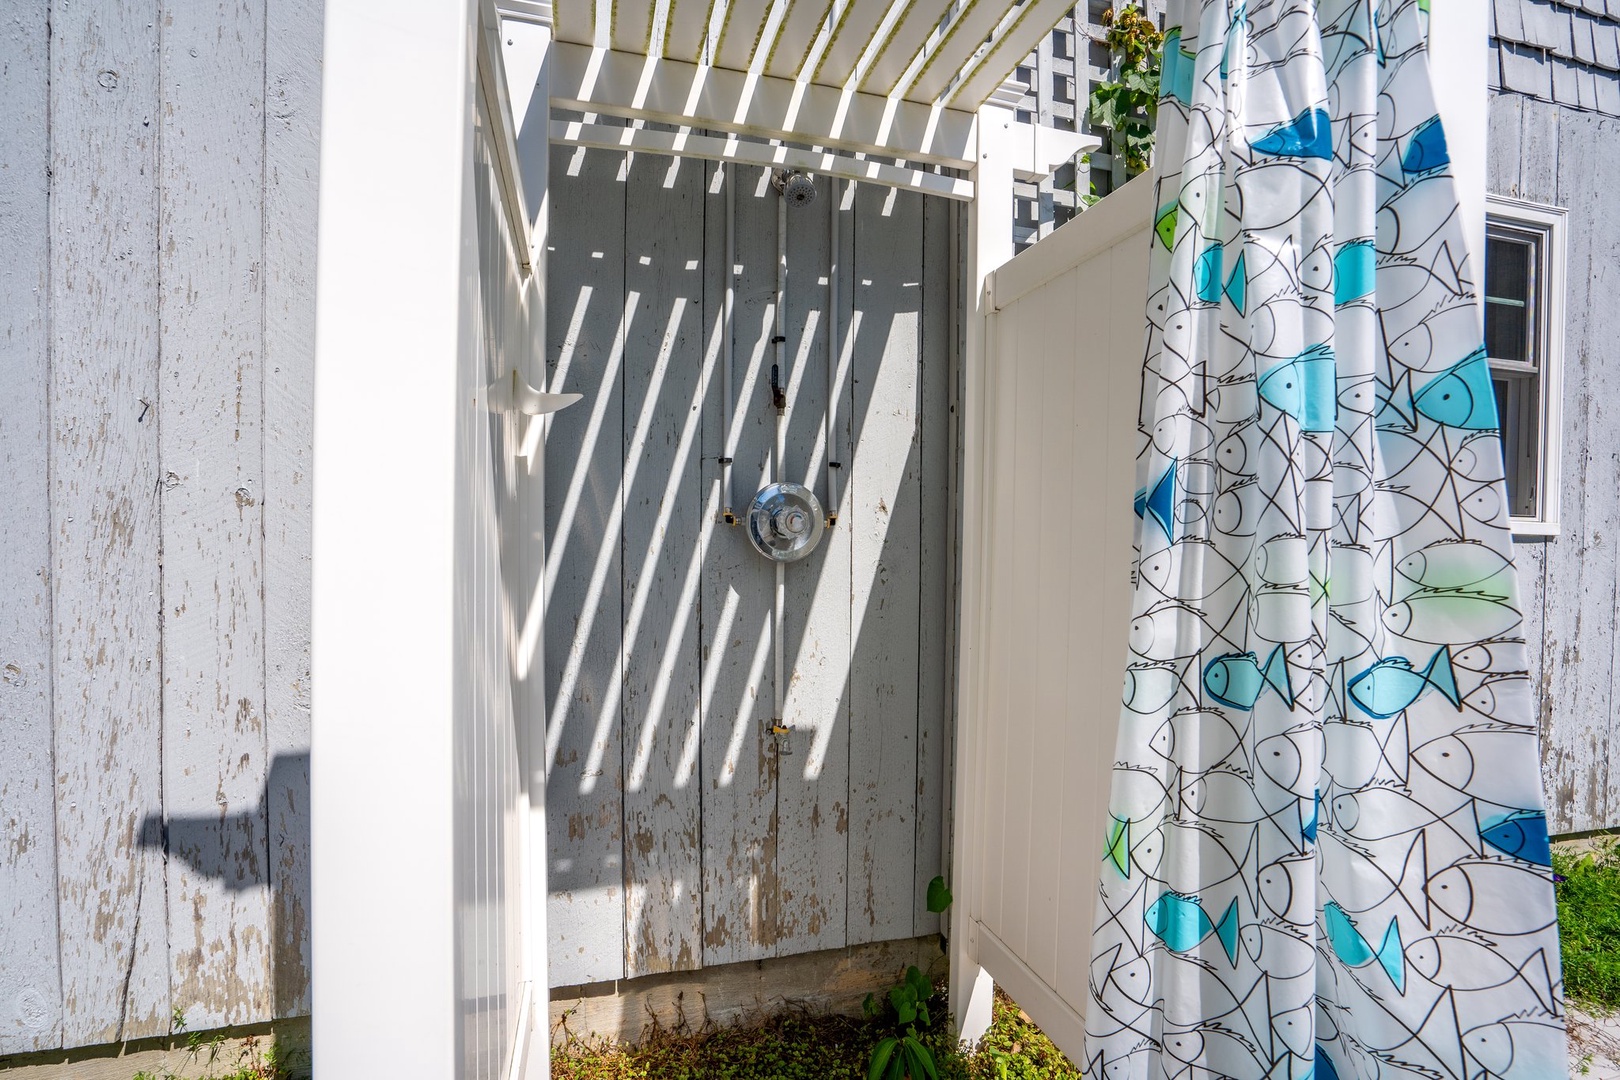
[(1550, 153), (157, 202), (678, 837)]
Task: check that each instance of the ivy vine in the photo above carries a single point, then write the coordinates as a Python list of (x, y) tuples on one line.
[(1128, 107)]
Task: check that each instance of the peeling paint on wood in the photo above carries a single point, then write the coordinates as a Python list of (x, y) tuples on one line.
[(584, 597), (740, 893), (884, 522), (665, 373), (106, 579), (292, 160), (210, 405), (1570, 583), (813, 781), (780, 839), (30, 979)]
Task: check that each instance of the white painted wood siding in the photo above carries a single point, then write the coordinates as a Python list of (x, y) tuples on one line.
[(1553, 154), (1062, 383), (678, 838), (157, 202)]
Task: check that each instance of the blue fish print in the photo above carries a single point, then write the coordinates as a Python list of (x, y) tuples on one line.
[(1353, 269), (1310, 827), (1305, 388), (1182, 924), (1159, 502), (1427, 150), (1237, 679), (1309, 135), (1352, 949), (1461, 396), (1521, 834), (1239, 14), (1324, 1069), (1176, 73), (1391, 686)]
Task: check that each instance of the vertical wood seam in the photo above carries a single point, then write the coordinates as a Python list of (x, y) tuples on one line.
[(157, 495), (50, 517), (626, 945), (270, 929)]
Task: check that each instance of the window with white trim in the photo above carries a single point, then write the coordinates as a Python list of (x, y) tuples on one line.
[(1524, 337)]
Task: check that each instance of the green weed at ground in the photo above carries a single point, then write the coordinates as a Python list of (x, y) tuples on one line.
[(1589, 924), (795, 1045)]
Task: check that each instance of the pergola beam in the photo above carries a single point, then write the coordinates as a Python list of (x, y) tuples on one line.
[(591, 80), (749, 152)]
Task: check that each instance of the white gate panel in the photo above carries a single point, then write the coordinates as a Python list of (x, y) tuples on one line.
[(1041, 706)]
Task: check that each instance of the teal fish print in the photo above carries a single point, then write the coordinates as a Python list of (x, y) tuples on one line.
[(1158, 502), (1207, 278), (1308, 135), (1176, 74), (1207, 275), (1324, 1066), (1391, 686), (1353, 270), (1236, 680), (1426, 150), (1461, 396), (1305, 388), (1521, 834), (1182, 924), (1354, 951)]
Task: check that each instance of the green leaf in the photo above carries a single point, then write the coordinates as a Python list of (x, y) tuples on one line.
[(923, 1056), (904, 1000), (881, 1053), (939, 897), (920, 986), (869, 1007)]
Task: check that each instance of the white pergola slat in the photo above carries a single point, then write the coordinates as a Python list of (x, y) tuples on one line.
[(801, 27), (882, 47)]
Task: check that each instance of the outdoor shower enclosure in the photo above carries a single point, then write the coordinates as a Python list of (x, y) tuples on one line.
[(682, 831)]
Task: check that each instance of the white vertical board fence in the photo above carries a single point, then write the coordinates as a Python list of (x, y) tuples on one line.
[(1062, 376), (427, 555)]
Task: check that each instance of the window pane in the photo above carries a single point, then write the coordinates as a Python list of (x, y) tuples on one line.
[(1518, 404), (1507, 269), (1507, 332), (1509, 298)]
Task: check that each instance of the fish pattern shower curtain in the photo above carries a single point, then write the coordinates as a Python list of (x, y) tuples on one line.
[(1327, 855)]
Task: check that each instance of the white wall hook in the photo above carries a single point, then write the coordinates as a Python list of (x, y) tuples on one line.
[(513, 393)]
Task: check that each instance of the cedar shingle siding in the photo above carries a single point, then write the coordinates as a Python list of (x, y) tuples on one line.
[(1566, 51)]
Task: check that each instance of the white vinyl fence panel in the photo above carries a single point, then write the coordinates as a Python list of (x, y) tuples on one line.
[(1060, 400)]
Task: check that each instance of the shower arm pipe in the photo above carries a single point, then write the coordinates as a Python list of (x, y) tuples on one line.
[(833, 463), (728, 512), (779, 393)]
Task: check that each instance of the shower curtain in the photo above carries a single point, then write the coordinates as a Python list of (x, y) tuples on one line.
[(1327, 855)]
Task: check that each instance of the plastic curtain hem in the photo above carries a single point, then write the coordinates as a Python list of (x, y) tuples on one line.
[(1327, 853)]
